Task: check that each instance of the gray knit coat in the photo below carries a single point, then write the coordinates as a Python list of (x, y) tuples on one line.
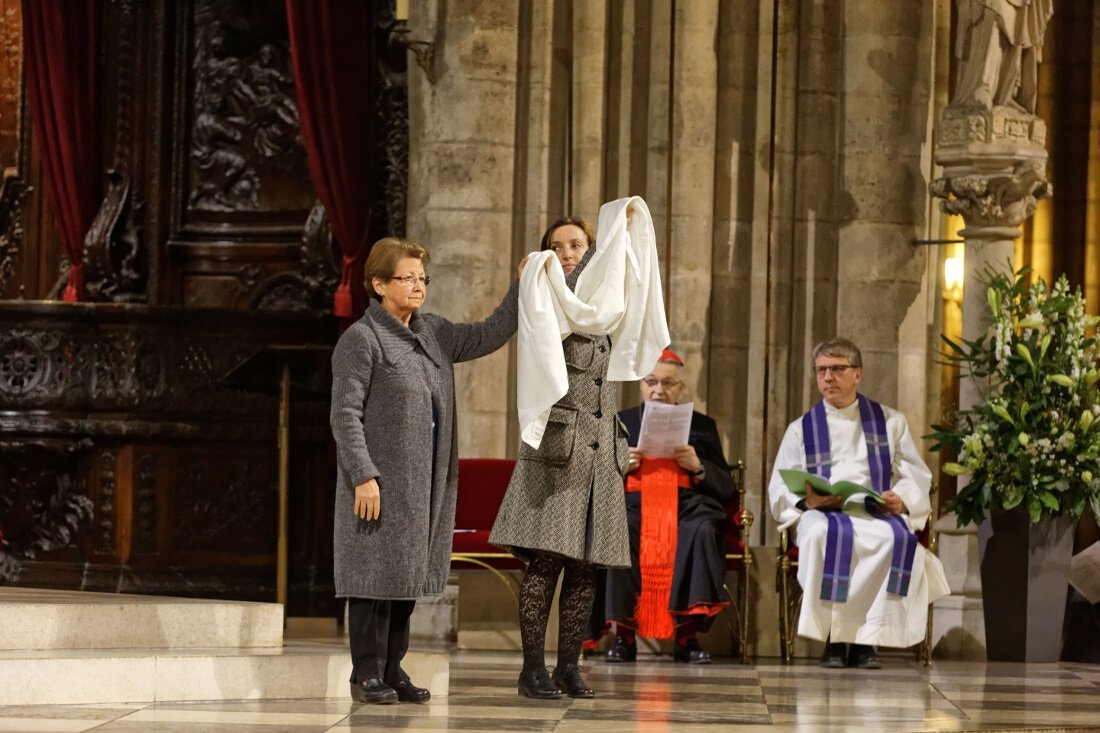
[(393, 419)]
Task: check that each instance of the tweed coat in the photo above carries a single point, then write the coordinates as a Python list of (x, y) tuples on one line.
[(393, 419), (566, 497)]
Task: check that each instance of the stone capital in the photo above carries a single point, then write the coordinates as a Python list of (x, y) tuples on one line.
[(994, 168)]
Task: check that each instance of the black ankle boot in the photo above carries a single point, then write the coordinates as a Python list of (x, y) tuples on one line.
[(569, 680), (536, 683)]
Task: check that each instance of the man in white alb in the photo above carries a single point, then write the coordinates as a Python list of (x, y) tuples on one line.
[(866, 580)]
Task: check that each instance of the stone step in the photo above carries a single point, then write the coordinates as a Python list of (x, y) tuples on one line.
[(45, 620), (301, 669)]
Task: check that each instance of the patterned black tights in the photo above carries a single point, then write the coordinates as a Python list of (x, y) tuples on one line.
[(574, 607)]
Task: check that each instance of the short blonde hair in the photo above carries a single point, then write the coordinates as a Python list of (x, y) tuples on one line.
[(383, 258)]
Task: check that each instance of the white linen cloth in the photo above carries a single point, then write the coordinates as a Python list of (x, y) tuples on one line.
[(618, 293), (871, 615)]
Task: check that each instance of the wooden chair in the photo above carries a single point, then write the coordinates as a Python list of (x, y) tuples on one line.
[(790, 596), (482, 483), (739, 558)]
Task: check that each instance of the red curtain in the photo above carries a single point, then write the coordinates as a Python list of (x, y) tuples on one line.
[(330, 44), (59, 42)]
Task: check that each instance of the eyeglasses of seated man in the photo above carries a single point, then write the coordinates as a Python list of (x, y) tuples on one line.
[(837, 379)]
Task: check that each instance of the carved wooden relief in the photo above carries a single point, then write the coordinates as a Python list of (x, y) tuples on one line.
[(105, 512), (244, 146), (40, 368), (310, 288), (115, 251), (393, 109), (43, 502), (145, 503)]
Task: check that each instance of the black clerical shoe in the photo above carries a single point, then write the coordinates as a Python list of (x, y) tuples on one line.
[(622, 651), (690, 653), (834, 655), (373, 692), (408, 692), (537, 684), (568, 679), (862, 656)]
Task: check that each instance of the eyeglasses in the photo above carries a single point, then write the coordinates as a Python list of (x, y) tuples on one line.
[(665, 383), (411, 280), (835, 369)]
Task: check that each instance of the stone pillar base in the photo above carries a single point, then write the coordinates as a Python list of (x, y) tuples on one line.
[(958, 629)]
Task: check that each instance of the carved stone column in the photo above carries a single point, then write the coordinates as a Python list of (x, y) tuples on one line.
[(994, 173)]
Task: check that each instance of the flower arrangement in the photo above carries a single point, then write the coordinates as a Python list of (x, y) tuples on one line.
[(1035, 440)]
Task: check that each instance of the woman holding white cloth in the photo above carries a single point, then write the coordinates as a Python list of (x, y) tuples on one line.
[(564, 510)]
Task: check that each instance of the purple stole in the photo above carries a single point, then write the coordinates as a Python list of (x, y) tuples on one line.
[(840, 539)]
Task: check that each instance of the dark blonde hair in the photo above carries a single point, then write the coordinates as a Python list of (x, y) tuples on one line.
[(383, 258), (567, 221)]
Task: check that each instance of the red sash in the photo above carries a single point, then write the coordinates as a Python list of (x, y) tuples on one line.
[(659, 480)]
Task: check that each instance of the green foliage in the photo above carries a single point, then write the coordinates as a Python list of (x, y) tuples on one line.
[(1035, 440)]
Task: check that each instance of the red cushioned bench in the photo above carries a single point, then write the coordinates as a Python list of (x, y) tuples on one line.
[(481, 486)]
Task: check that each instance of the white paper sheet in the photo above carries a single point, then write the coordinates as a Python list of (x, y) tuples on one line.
[(1084, 572), (664, 427)]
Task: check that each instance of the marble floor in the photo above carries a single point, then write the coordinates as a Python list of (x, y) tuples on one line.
[(653, 694)]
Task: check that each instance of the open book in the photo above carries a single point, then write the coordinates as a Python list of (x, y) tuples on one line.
[(796, 482)]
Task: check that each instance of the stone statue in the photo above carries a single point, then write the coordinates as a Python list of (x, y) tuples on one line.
[(999, 45)]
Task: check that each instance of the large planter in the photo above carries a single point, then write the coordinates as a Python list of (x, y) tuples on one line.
[(1025, 570)]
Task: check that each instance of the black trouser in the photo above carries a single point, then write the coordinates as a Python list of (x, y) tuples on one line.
[(378, 631)]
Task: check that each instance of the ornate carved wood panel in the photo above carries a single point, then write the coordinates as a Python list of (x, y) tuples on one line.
[(207, 202), (241, 193), (131, 406)]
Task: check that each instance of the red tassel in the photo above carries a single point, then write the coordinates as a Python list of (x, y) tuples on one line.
[(341, 303), (657, 555), (74, 290)]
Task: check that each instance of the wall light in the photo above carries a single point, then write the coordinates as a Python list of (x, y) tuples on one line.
[(953, 278)]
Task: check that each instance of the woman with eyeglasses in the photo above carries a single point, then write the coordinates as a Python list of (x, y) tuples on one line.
[(393, 420), (564, 513)]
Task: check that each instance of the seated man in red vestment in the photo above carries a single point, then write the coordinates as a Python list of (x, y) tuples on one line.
[(675, 510)]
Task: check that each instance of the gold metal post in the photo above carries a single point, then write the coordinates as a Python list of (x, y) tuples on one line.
[(284, 465)]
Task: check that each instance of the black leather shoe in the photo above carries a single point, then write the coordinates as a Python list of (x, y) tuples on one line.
[(537, 684), (622, 651), (862, 656), (408, 692), (568, 679), (373, 692), (833, 656), (690, 653)]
